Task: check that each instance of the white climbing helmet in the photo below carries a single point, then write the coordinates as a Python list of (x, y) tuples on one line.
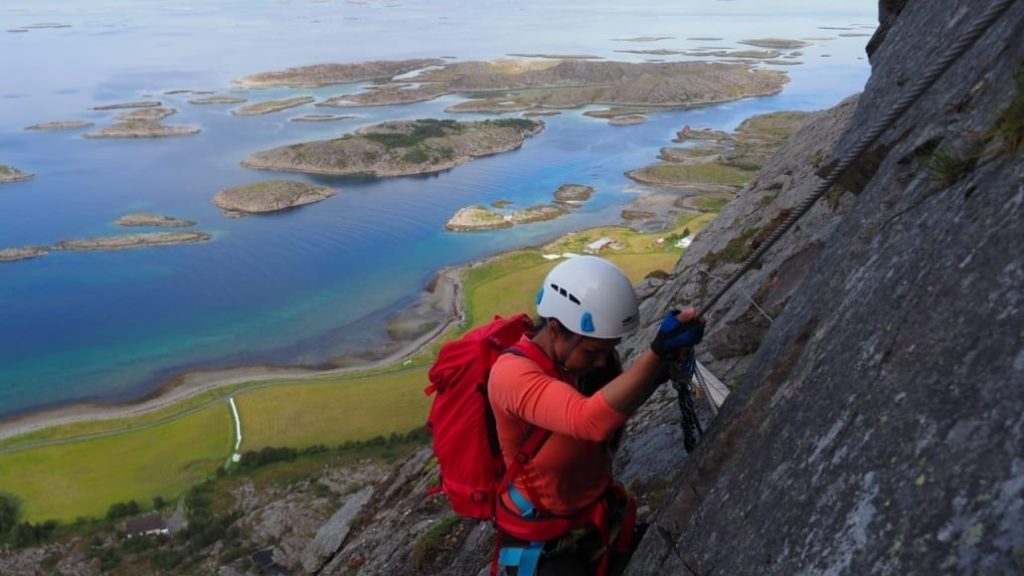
[(590, 296)]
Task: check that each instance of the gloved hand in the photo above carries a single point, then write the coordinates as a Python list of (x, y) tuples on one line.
[(674, 334)]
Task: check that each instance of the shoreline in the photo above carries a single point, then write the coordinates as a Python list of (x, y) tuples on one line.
[(440, 301), (446, 296)]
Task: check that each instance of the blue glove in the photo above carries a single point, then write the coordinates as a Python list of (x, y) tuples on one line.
[(674, 335)]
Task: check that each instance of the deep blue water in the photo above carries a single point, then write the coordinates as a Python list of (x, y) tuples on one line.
[(298, 286)]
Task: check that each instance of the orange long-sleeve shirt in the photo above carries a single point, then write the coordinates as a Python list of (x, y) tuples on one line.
[(574, 466)]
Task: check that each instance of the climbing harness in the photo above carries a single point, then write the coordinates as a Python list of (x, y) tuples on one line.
[(686, 368)]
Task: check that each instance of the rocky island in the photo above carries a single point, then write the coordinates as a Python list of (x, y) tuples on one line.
[(152, 220), (271, 106), (573, 193), (476, 218), (135, 104), (479, 218), (149, 114), (142, 129), (10, 174), (60, 125), (399, 148), (218, 100), (776, 43), (22, 253), (328, 74), (269, 196), (530, 84), (146, 239), (321, 118)]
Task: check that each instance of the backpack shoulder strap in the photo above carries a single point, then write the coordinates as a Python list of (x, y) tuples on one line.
[(537, 435)]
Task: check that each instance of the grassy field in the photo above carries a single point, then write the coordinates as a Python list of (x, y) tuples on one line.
[(332, 410), (84, 478), (65, 472)]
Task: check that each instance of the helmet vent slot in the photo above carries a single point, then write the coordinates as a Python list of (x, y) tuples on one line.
[(566, 294)]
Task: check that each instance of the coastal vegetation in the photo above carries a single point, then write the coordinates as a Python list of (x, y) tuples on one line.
[(400, 148)]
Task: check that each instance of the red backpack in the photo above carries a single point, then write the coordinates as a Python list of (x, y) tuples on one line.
[(461, 421)]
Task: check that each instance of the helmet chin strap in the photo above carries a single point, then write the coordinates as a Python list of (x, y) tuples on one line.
[(553, 353)]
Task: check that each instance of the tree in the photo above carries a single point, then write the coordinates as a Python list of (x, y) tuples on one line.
[(10, 513), (158, 503)]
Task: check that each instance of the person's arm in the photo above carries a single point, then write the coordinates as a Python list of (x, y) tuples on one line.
[(518, 387), (636, 384)]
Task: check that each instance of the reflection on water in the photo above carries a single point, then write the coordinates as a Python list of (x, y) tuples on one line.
[(108, 326)]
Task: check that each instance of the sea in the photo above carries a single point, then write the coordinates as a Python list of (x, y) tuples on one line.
[(298, 287)]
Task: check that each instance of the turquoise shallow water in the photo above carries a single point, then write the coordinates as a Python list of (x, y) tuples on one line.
[(298, 286)]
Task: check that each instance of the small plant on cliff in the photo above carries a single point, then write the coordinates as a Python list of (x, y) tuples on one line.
[(947, 167), (433, 541), (1010, 124)]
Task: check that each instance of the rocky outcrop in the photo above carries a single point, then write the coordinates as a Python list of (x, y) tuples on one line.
[(331, 535)]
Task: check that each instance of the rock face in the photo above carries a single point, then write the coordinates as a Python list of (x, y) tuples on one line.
[(331, 535), (269, 196), (874, 429)]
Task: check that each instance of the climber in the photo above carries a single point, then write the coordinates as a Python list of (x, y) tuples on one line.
[(563, 511)]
